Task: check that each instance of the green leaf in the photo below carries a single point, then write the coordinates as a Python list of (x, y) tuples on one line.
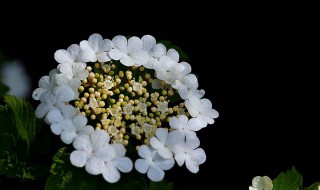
[(290, 180), (23, 118), (313, 186), (162, 185), (66, 176), (3, 89), (168, 44)]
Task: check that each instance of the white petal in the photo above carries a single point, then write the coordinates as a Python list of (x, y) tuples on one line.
[(148, 42), (43, 109), (192, 165), (158, 50), (82, 74), (120, 43), (180, 158), (36, 94), (156, 84), (103, 57), (124, 164), (62, 56), (165, 153), (86, 130), (74, 51), (110, 173), (127, 61), (187, 68), (162, 134), (155, 173), (56, 129), (78, 158), (134, 44), (68, 111), (141, 57), (144, 151), (116, 54), (192, 143), (67, 136), (107, 153), (191, 81), (54, 116), (258, 182), (65, 68), (74, 83), (173, 54), (88, 53), (119, 149), (166, 164), (82, 143), (175, 137), (94, 41), (199, 156), (99, 139), (194, 124), (105, 45), (174, 123), (80, 121), (44, 82), (94, 166), (141, 165), (64, 94), (155, 143)]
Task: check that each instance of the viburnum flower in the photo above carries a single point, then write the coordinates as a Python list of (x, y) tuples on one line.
[(125, 96), (261, 183)]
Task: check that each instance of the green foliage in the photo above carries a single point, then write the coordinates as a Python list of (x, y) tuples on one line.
[(18, 128), (23, 118), (312, 187), (3, 89), (162, 185), (290, 180)]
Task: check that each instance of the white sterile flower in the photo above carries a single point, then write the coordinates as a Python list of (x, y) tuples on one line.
[(186, 93), (70, 64), (154, 50), (95, 49), (46, 84), (15, 76), (73, 83), (127, 109), (137, 86), (261, 183), (162, 141), (92, 152), (49, 101), (152, 163), (162, 106), (185, 77), (187, 151), (184, 127), (129, 52), (60, 116), (168, 70), (202, 110), (118, 162)]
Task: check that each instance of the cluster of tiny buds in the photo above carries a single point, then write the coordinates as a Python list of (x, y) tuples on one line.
[(123, 103)]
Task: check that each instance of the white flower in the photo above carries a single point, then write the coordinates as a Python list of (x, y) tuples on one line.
[(186, 93), (118, 162), (59, 116), (93, 103), (162, 106), (107, 84), (154, 50), (152, 163), (185, 127), (127, 109), (188, 152), (168, 70), (16, 77), (46, 84), (202, 110), (70, 64), (261, 183), (49, 101), (95, 49), (73, 83), (162, 141), (129, 52), (92, 152)]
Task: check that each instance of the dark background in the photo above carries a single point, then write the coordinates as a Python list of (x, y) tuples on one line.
[(255, 65)]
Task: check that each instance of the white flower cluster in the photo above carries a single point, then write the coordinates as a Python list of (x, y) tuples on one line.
[(93, 148)]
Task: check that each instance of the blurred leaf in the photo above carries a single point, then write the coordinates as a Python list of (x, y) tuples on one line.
[(313, 186), (23, 117), (290, 180), (162, 185), (3, 89), (66, 176), (169, 45)]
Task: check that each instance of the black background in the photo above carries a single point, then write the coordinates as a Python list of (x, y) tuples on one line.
[(255, 65)]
